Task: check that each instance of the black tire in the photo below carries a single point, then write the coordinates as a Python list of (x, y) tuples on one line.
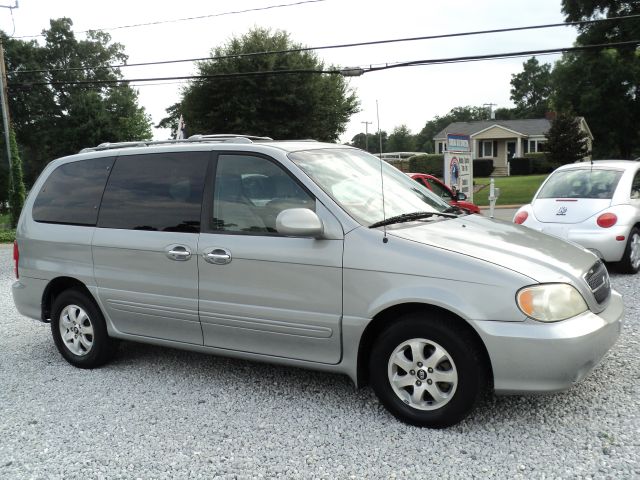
[(101, 346), (468, 363), (626, 264)]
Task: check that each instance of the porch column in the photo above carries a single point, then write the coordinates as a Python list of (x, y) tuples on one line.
[(518, 147)]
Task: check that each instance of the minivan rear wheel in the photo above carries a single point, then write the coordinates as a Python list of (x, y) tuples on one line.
[(427, 372), (79, 330)]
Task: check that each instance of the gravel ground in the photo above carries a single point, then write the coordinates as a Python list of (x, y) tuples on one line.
[(162, 413)]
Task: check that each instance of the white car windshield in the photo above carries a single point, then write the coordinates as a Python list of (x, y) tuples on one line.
[(581, 183), (354, 179)]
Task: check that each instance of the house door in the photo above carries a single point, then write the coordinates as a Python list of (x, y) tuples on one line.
[(511, 149)]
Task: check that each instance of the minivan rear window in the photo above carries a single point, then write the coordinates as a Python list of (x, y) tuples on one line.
[(71, 194), (581, 183), (157, 192)]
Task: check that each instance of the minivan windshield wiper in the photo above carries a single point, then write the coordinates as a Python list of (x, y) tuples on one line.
[(407, 217)]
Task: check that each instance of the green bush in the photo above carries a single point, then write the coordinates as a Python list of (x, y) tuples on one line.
[(432, 164), (7, 236), (482, 167), (530, 164)]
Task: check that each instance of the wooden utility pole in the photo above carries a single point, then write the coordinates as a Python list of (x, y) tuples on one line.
[(366, 135), (5, 104)]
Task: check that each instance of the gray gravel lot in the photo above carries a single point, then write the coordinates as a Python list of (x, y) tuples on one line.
[(161, 413)]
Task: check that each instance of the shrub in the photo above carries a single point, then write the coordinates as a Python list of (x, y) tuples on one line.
[(432, 164), (531, 163), (482, 167), (7, 236)]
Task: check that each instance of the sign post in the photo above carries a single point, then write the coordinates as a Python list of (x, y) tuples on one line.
[(458, 165)]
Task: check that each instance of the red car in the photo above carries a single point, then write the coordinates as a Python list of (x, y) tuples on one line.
[(440, 189)]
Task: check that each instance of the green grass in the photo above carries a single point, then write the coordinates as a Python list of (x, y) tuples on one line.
[(515, 190)]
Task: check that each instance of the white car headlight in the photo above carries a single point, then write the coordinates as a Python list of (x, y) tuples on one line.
[(550, 302)]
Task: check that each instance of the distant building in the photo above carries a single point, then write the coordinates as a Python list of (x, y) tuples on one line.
[(502, 140)]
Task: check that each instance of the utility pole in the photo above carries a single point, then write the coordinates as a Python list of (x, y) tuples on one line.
[(4, 104), (366, 135), (492, 115)]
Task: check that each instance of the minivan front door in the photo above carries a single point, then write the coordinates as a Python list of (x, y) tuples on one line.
[(145, 246), (261, 292)]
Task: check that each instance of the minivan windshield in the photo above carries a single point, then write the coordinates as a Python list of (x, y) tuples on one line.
[(581, 183), (353, 179)]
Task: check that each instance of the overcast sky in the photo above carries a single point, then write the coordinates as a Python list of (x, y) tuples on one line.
[(410, 96)]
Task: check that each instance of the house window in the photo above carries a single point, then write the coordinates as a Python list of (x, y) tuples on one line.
[(541, 146), (486, 148), (440, 147), (537, 146)]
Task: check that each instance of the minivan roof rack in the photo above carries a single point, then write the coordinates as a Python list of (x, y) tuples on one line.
[(221, 138)]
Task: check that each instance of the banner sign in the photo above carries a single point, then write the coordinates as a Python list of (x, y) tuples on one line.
[(458, 143)]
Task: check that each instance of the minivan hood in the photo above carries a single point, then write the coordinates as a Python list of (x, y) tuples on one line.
[(541, 257)]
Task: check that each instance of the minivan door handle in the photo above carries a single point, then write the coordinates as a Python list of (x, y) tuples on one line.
[(217, 256), (179, 253)]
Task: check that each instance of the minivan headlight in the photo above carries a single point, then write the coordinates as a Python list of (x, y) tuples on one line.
[(550, 302)]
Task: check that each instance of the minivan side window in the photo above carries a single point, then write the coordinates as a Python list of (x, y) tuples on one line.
[(157, 192), (71, 194), (250, 191)]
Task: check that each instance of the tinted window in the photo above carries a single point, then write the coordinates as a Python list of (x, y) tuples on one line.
[(160, 192), (250, 192), (589, 183), (72, 193)]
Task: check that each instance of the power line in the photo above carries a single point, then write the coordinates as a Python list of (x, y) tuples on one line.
[(199, 17), (328, 47), (412, 63)]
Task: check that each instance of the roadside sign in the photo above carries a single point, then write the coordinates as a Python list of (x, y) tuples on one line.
[(458, 165)]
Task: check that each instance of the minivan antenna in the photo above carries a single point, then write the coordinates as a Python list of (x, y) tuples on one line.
[(384, 215)]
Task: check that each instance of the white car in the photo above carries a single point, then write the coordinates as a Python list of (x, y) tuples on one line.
[(594, 204)]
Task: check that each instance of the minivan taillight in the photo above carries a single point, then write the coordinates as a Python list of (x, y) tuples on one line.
[(607, 220), (16, 257)]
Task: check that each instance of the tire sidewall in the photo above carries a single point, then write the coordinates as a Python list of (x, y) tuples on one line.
[(101, 343), (468, 366)]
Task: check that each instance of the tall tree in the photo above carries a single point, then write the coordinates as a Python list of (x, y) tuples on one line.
[(370, 142), (603, 86), (566, 142), (59, 118), (304, 105), (531, 89), (401, 140)]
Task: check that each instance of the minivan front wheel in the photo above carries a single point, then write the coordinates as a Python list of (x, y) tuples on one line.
[(79, 330), (426, 372)]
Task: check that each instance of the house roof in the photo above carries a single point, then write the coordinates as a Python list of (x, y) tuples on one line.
[(529, 127)]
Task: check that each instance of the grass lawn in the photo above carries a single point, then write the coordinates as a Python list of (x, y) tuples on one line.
[(515, 190)]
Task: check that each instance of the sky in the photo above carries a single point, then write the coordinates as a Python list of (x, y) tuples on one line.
[(405, 96)]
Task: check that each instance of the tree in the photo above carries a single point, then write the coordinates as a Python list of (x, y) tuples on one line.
[(603, 86), (566, 142), (401, 140), (303, 105), (370, 142), (16, 189), (60, 119), (531, 89)]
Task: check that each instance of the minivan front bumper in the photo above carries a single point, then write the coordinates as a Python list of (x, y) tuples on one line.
[(530, 356)]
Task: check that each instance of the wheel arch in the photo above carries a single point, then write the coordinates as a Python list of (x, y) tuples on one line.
[(390, 315), (54, 288)]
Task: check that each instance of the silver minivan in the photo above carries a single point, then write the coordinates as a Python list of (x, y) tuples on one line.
[(311, 255)]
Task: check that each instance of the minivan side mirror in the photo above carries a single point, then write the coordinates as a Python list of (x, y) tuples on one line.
[(299, 222)]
